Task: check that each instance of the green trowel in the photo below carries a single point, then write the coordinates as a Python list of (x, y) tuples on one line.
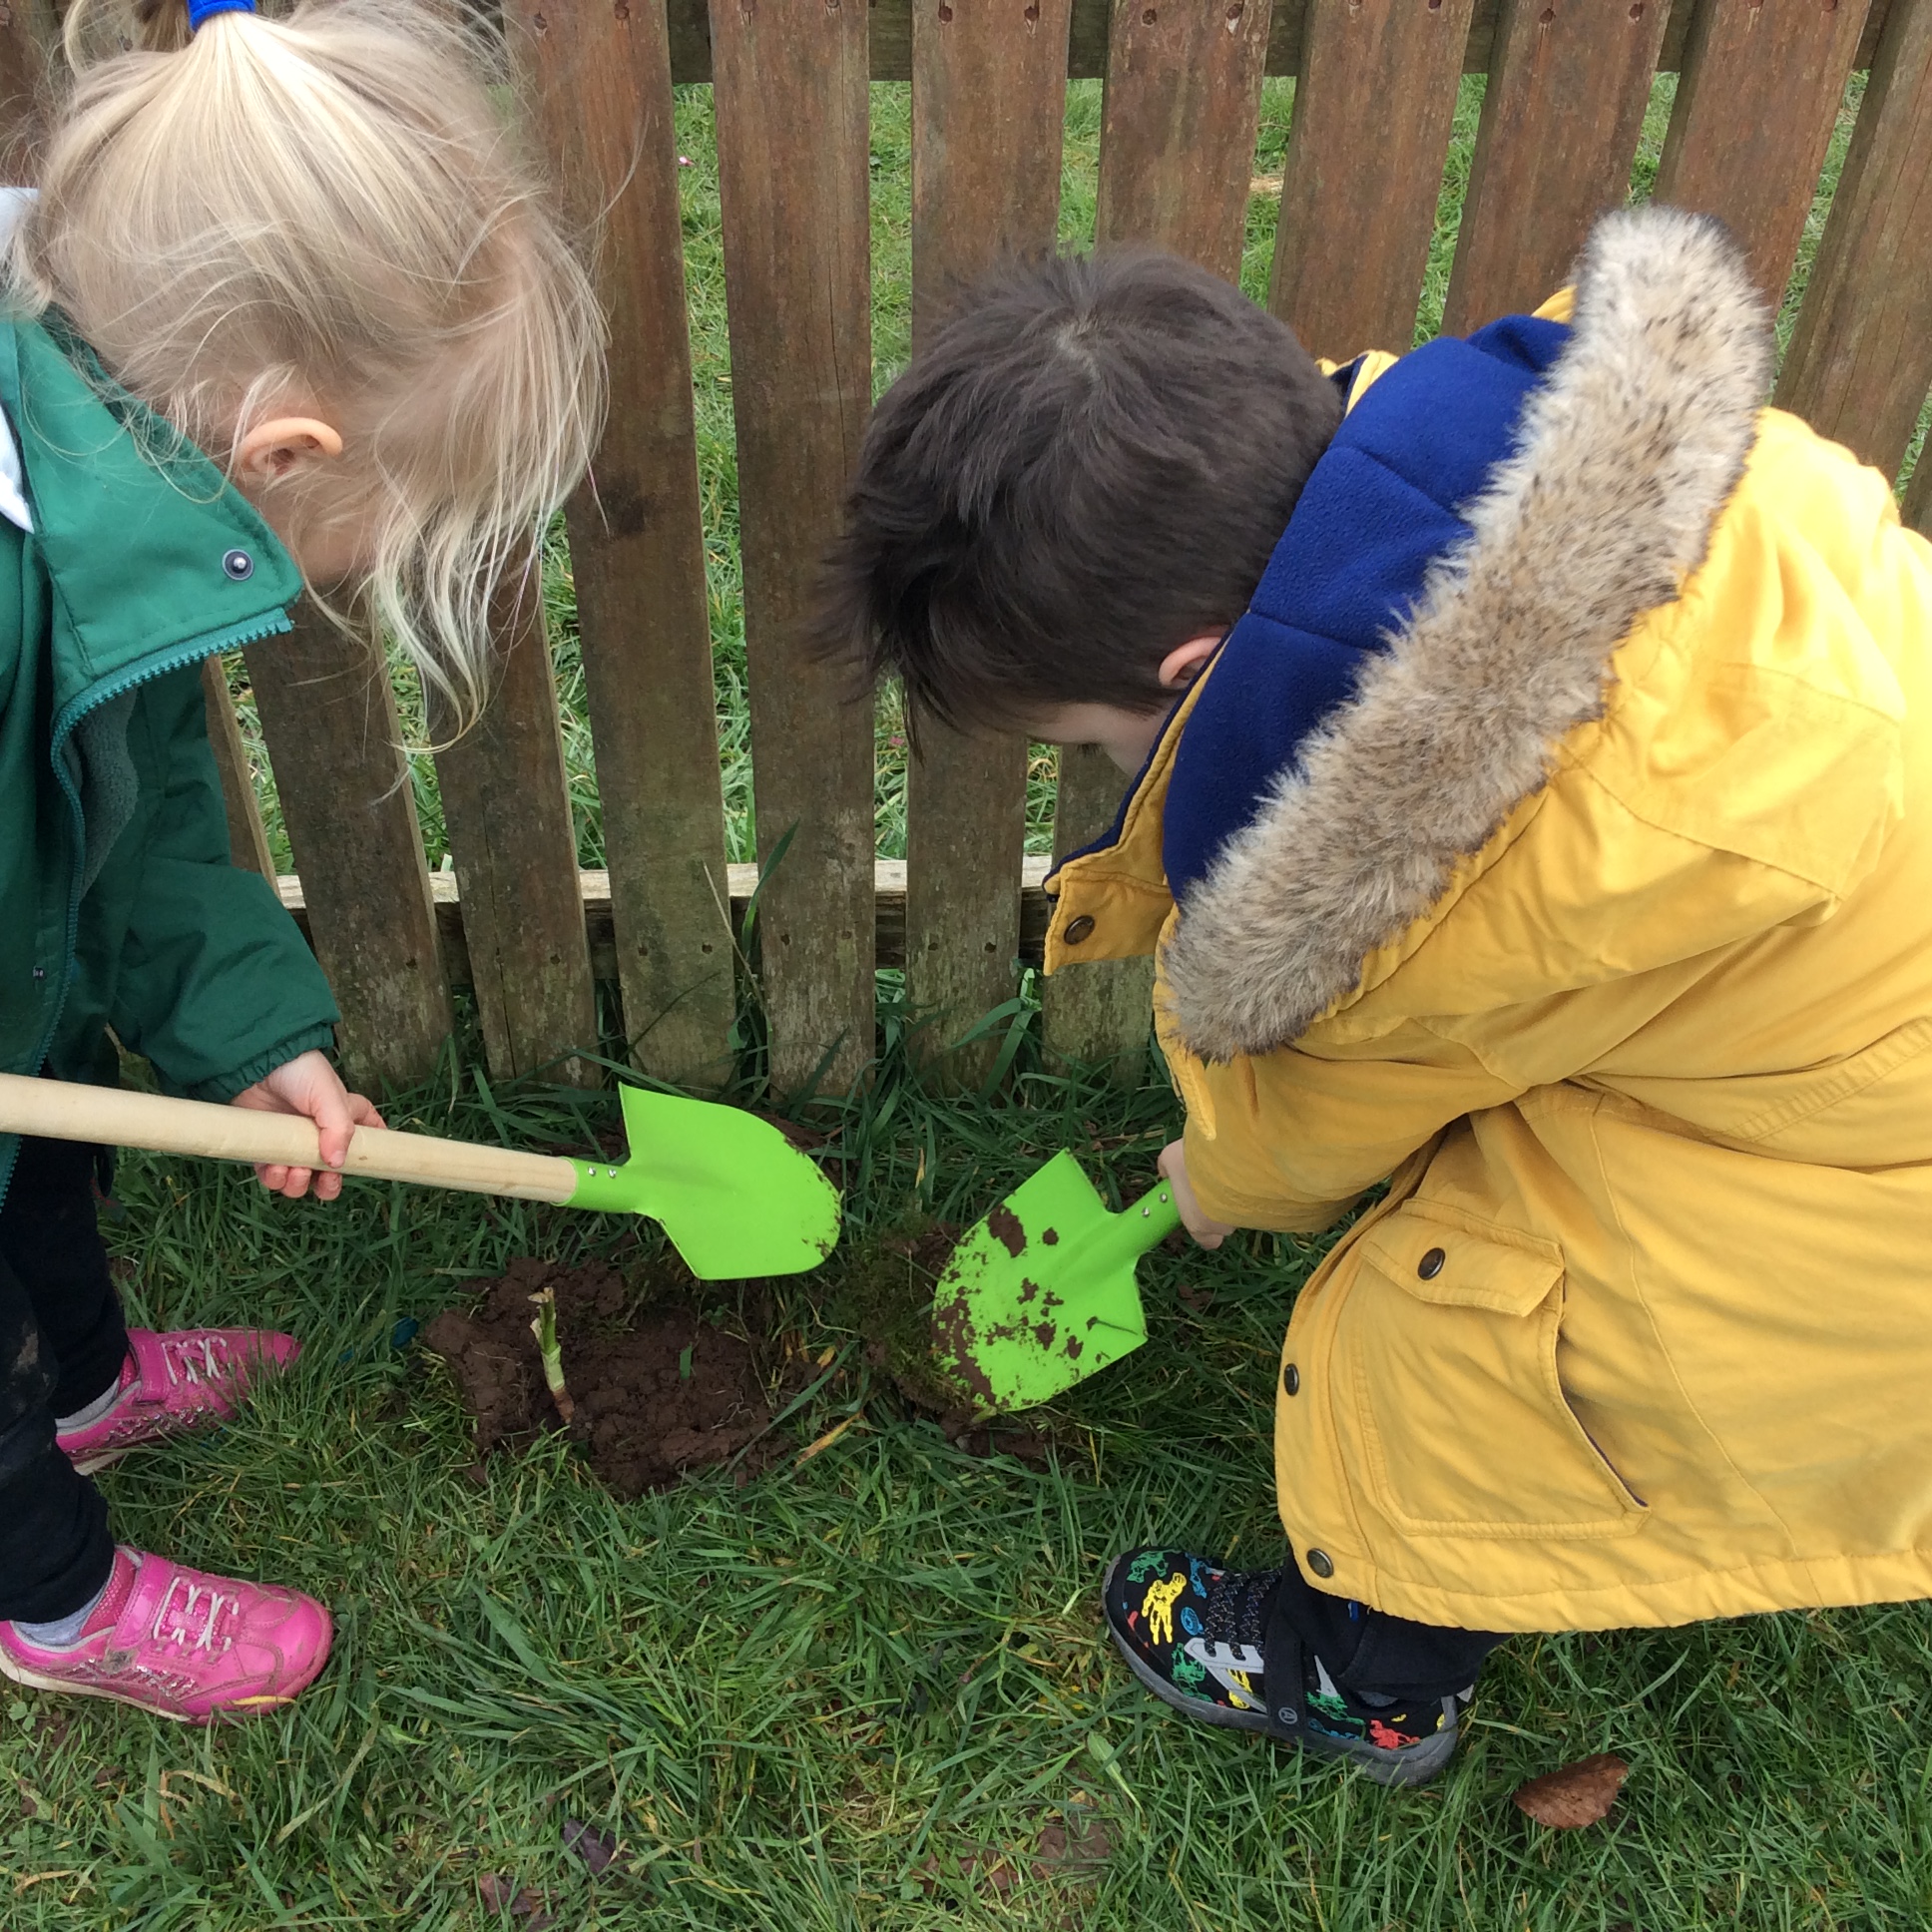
[(733, 1194), (1041, 1295)]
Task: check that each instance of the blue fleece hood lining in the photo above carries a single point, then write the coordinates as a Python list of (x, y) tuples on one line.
[(1379, 508)]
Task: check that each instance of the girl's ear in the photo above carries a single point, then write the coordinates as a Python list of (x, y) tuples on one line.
[(1181, 666), (272, 451)]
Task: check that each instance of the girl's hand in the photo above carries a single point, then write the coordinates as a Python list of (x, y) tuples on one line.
[(309, 1085), (1174, 1168)]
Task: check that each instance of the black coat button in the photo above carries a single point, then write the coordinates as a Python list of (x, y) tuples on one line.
[(1430, 1264), (238, 566), (1078, 929), (1291, 1379), (1319, 1563)]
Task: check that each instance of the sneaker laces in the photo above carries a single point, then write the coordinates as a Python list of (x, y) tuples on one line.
[(1239, 1606), (196, 1358), (175, 1624)]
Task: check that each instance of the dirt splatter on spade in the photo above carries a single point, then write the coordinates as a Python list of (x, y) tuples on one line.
[(657, 1392)]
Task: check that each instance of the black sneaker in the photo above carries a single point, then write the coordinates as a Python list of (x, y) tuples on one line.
[(1207, 1641)]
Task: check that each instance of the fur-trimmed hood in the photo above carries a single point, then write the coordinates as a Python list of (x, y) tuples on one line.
[(1624, 457)]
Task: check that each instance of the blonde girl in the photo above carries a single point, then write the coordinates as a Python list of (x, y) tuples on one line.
[(287, 306)]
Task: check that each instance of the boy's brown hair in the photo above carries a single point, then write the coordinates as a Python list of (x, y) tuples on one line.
[(1088, 465)]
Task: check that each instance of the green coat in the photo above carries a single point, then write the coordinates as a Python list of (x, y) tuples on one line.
[(118, 907)]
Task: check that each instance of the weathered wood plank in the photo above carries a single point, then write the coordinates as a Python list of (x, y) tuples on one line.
[(1374, 105), (1177, 140), (328, 718), (988, 109), (793, 160), (1183, 92), (1102, 1012), (1762, 81), (637, 539), (247, 843), (891, 38), (1568, 86), (506, 808), (27, 33), (1860, 359), (989, 83)]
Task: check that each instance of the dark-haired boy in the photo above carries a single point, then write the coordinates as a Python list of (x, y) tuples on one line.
[(1533, 810)]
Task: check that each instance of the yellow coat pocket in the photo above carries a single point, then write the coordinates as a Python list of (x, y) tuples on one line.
[(1447, 1354)]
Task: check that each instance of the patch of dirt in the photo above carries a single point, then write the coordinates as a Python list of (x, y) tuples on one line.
[(888, 1290), (656, 1394)]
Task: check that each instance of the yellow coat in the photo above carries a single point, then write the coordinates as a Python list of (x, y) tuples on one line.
[(1601, 920)]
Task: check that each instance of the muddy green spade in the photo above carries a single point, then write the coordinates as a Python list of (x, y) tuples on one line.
[(735, 1196), (1041, 1295)]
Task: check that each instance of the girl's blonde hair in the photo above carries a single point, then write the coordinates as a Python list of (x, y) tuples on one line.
[(328, 214)]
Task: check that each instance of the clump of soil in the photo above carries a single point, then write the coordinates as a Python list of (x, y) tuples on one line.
[(891, 1289), (656, 1394)]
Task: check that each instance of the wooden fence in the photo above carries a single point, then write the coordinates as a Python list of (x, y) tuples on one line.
[(1762, 83)]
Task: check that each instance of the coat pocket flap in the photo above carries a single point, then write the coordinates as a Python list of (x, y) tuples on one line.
[(1455, 1264)]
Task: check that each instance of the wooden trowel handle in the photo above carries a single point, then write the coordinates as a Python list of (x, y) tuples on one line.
[(60, 1109)]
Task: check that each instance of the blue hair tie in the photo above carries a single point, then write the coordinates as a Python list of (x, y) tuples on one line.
[(201, 10)]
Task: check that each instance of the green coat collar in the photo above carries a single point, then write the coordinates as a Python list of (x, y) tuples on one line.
[(134, 529)]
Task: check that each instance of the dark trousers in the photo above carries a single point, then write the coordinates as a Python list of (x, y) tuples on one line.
[(62, 1341), (1372, 1654)]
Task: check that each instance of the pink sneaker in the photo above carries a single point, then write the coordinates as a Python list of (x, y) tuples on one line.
[(180, 1643), (174, 1382)]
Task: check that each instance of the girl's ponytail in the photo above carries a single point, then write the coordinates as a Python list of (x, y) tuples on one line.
[(323, 213)]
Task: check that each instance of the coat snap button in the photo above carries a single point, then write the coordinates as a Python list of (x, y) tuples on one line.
[(1320, 1564), (1291, 1379), (1430, 1264), (1078, 929), (238, 566)]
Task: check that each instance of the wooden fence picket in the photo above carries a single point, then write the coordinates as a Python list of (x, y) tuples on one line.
[(1177, 155), (506, 808), (989, 88), (637, 540), (1375, 107), (1100, 1013), (247, 841), (1860, 360), (1567, 85), (27, 33), (1177, 140), (1918, 499), (793, 161), (328, 718), (1762, 80)]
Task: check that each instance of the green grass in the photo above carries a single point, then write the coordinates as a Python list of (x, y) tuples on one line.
[(783, 1701)]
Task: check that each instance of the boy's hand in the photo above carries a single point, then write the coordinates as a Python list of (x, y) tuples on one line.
[(309, 1085), (1174, 1167)]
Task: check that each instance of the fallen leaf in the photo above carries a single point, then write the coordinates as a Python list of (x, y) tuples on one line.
[(501, 1894), (1579, 1794), (593, 1847), (1198, 1299)]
